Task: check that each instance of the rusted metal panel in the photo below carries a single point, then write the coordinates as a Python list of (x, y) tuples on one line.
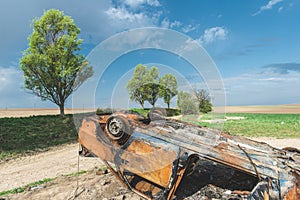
[(157, 159), (87, 137)]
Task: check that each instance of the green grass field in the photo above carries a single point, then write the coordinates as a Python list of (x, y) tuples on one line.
[(263, 125), (253, 125), (167, 111), (26, 134)]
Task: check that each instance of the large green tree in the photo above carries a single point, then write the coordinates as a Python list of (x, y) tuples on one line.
[(52, 65), (168, 88)]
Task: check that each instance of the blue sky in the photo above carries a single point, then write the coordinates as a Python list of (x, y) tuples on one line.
[(254, 44)]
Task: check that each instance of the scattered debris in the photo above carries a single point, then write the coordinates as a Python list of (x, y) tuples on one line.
[(37, 187), (213, 192), (101, 172), (234, 118), (213, 121), (104, 182)]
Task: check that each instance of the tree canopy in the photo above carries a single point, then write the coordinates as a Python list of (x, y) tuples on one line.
[(203, 100), (146, 85), (168, 88), (135, 85), (52, 65), (151, 85), (186, 103)]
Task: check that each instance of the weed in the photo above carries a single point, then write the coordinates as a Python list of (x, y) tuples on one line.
[(23, 188)]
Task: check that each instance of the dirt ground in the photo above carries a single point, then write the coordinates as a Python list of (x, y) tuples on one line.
[(105, 187), (278, 109), (26, 112), (53, 163), (90, 186), (64, 160)]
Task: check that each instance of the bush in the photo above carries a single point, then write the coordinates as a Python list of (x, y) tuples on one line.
[(104, 111), (188, 107), (205, 106), (172, 112), (169, 112), (186, 103)]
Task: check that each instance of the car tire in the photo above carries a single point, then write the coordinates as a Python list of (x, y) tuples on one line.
[(118, 129)]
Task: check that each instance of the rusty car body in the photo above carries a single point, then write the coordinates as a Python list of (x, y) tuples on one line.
[(160, 158)]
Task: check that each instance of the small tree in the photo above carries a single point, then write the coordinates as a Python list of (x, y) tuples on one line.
[(135, 85), (168, 88), (205, 106), (151, 85), (203, 100), (143, 86), (53, 68), (186, 103), (147, 86), (151, 92)]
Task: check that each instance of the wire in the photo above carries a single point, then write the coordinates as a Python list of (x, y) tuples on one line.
[(251, 161), (76, 194)]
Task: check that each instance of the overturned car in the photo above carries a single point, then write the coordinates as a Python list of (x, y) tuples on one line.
[(161, 158)]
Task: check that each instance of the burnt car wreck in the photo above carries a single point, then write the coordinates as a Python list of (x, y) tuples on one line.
[(161, 158)]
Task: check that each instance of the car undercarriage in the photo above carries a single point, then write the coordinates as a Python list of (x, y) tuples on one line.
[(161, 158)]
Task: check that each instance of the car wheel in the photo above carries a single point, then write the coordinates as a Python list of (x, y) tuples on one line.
[(118, 129)]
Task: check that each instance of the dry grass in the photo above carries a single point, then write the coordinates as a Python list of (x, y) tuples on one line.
[(26, 112), (276, 109)]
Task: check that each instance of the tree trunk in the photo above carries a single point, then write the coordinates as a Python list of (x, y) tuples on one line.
[(142, 104), (168, 105), (62, 109)]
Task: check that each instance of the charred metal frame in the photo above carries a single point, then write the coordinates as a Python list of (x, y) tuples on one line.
[(157, 158)]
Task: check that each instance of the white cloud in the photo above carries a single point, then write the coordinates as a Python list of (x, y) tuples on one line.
[(269, 6), (166, 23), (282, 68), (133, 14), (11, 83), (189, 46), (123, 14), (8, 77), (14, 95), (153, 3), (135, 39), (121, 19), (261, 87), (137, 3), (272, 79), (175, 24), (189, 28), (213, 34)]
